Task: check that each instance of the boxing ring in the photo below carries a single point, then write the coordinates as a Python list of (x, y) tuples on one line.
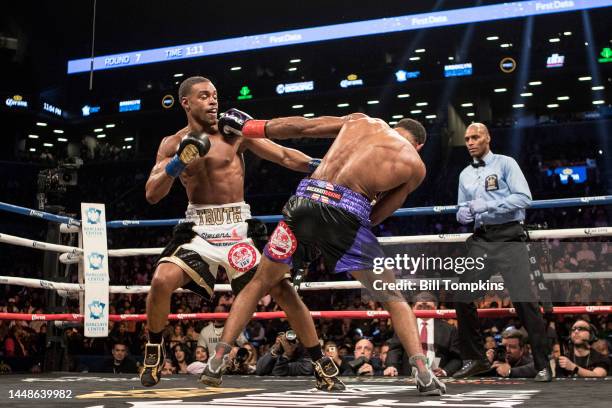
[(238, 391)]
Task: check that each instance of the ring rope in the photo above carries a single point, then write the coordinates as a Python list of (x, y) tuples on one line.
[(330, 314), (402, 212), (409, 239), (38, 214), (304, 286)]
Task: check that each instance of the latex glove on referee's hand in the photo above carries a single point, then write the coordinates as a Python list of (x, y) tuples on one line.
[(464, 215), (478, 206)]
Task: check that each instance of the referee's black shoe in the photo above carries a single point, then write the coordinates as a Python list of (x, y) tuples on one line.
[(473, 367)]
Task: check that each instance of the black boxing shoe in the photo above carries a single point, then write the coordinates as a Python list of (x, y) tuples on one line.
[(326, 372), (153, 364)]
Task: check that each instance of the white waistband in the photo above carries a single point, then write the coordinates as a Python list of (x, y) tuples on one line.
[(221, 214)]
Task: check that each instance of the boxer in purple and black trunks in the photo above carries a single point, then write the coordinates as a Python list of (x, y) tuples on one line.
[(332, 211)]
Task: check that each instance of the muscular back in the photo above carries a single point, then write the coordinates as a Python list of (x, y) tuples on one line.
[(368, 157), (217, 178)]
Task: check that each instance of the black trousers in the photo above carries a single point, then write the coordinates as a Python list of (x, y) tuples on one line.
[(501, 247)]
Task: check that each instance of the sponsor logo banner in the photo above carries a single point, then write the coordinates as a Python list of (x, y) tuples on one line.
[(95, 269)]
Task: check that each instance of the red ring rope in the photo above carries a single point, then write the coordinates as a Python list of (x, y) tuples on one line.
[(332, 314)]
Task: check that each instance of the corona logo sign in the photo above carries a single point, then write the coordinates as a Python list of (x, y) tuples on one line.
[(16, 101), (351, 80)]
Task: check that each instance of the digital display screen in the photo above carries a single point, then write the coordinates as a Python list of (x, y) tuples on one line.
[(555, 61), (88, 110), (52, 109), (335, 32), (295, 87), (128, 106), (403, 76), (577, 173), (456, 70)]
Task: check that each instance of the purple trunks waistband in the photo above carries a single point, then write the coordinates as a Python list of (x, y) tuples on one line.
[(337, 196)]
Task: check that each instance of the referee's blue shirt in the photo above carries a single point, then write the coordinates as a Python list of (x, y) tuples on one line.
[(501, 183)]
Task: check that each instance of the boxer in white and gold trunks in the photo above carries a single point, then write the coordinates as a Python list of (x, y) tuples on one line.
[(219, 229)]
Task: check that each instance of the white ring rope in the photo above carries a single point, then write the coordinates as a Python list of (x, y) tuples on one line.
[(306, 286), (538, 234), (413, 239), (74, 254), (11, 239)]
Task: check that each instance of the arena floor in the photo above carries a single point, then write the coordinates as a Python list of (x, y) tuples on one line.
[(103, 390)]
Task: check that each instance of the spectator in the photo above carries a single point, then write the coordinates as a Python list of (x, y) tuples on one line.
[(285, 358), (181, 358), (226, 300), (15, 344), (363, 362), (243, 360), (585, 256), (177, 336), (121, 335), (330, 349), (119, 363), (556, 351), (439, 339), (490, 343), (601, 346), (256, 332), (511, 359), (211, 333), (384, 352), (582, 360), (201, 357), (168, 368), (253, 355), (192, 336)]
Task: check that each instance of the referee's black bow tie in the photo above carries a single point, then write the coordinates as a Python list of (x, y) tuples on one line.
[(479, 163)]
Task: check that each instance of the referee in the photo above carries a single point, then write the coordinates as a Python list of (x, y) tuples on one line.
[(493, 193)]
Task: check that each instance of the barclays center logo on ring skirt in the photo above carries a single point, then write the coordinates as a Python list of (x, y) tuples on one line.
[(93, 215), (96, 309)]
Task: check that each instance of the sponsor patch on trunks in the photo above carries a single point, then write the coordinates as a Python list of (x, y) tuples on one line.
[(242, 257), (282, 243), (320, 193)]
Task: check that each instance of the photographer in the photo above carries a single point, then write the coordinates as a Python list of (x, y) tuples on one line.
[(330, 349), (285, 358), (511, 359), (364, 363), (582, 360), (243, 360)]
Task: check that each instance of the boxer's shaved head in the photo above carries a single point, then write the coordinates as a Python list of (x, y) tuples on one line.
[(188, 83)]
